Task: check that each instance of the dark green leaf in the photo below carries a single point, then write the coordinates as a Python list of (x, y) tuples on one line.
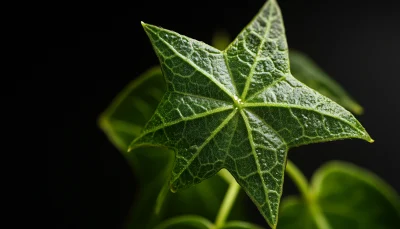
[(186, 222), (239, 109), (308, 72), (345, 196)]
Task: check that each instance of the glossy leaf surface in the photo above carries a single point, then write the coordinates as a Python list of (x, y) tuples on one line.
[(347, 197), (239, 109)]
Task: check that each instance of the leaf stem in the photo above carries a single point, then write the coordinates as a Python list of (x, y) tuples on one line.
[(301, 182), (224, 174), (227, 203), (319, 217), (298, 178)]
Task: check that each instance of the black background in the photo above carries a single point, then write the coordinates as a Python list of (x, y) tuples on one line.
[(87, 56)]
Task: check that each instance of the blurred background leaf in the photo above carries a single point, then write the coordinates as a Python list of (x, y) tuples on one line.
[(348, 197)]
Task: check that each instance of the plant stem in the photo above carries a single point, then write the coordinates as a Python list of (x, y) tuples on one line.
[(227, 204), (302, 184), (226, 176), (298, 178), (319, 217)]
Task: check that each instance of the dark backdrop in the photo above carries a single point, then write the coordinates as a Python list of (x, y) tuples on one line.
[(87, 56)]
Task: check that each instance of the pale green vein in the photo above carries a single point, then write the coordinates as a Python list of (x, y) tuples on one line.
[(289, 106), (230, 141), (259, 49), (212, 135), (251, 140), (183, 119), (267, 125), (229, 71), (265, 88), (201, 97)]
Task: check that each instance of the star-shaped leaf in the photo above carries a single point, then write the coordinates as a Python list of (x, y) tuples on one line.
[(239, 109)]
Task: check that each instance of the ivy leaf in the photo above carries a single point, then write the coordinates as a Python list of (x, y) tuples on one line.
[(238, 109), (308, 72), (344, 196)]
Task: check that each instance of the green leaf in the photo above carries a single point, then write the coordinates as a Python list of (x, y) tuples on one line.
[(239, 109), (344, 196), (186, 222), (308, 72), (240, 225), (122, 121)]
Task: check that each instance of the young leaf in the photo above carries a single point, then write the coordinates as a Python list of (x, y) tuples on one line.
[(308, 72), (344, 196), (238, 109)]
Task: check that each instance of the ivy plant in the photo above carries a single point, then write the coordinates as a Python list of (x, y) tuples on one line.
[(235, 110)]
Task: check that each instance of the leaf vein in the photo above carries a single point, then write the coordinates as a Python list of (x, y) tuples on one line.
[(212, 135), (251, 140), (191, 63)]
